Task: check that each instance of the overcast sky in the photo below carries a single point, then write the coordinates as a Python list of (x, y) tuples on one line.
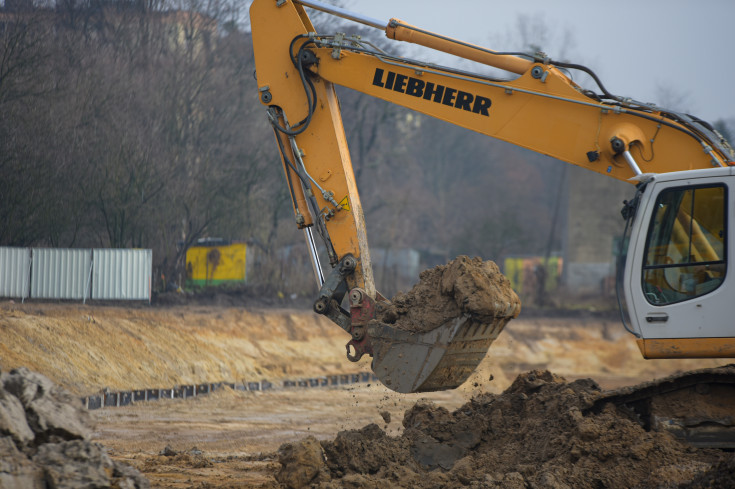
[(676, 53)]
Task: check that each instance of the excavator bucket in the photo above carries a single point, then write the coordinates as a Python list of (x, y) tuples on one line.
[(440, 359), (435, 336)]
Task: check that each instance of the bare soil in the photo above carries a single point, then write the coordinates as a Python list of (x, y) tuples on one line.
[(541, 432), (232, 438)]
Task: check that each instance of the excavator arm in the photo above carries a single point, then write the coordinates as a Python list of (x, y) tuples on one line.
[(541, 109)]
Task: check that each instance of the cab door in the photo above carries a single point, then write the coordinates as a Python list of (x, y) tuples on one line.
[(680, 277)]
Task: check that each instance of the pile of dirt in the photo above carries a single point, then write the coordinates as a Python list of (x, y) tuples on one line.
[(462, 286), (539, 433), (44, 440), (720, 476)]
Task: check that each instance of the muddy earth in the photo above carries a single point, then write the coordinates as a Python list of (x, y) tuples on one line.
[(462, 286), (542, 432)]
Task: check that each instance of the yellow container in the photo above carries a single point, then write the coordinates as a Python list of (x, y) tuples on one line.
[(213, 265)]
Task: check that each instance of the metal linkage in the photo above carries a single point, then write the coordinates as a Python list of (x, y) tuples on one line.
[(362, 311), (333, 291)]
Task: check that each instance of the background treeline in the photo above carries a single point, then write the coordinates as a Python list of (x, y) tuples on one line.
[(131, 124), (137, 124)]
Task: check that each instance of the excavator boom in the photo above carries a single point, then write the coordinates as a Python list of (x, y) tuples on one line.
[(541, 109)]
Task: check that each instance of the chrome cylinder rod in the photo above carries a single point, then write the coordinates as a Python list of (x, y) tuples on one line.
[(314, 255), (345, 14), (631, 162)]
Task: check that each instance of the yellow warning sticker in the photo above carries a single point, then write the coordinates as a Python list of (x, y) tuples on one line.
[(344, 204)]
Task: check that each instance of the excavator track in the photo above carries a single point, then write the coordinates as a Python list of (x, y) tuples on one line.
[(697, 407)]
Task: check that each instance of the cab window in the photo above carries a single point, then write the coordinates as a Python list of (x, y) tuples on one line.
[(685, 249)]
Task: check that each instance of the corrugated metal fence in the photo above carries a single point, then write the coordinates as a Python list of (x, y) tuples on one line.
[(60, 273), (15, 270), (54, 273), (122, 274)]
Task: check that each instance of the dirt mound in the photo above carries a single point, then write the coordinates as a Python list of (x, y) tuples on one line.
[(44, 439), (539, 433), (463, 286), (720, 476)]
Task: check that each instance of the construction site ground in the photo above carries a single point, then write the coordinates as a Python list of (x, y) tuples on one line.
[(230, 438)]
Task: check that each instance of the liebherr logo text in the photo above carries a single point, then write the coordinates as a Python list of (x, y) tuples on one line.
[(436, 93)]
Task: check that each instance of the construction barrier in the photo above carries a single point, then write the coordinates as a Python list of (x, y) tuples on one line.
[(126, 398), (61, 273)]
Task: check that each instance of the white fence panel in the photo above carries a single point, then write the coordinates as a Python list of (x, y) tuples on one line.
[(15, 264), (122, 274), (59, 273)]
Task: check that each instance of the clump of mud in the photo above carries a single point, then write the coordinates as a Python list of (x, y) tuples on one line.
[(44, 440), (463, 286), (540, 433)]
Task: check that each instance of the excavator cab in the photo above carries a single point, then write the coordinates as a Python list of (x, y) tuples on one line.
[(679, 275)]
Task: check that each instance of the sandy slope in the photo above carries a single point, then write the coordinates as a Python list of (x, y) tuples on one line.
[(88, 348)]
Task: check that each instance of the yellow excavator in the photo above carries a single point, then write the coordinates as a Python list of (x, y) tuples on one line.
[(678, 280)]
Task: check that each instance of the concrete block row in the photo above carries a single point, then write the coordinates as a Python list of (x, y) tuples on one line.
[(330, 380), (125, 398)]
